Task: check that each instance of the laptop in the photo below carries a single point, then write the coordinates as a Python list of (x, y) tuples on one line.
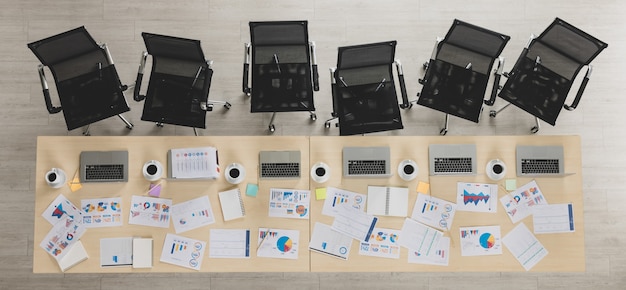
[(452, 159), (279, 164), (539, 160), (103, 166), (369, 162)]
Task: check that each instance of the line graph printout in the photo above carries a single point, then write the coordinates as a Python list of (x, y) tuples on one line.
[(477, 197)]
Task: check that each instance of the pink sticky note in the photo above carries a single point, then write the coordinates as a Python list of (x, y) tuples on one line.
[(155, 190)]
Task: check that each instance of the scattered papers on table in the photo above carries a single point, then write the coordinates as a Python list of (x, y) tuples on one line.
[(338, 198), (60, 208), (419, 237), (192, 214), (524, 246), (278, 243), (61, 237), (440, 256), (434, 212), (480, 241), (102, 212), (382, 243), (387, 201), (229, 243), (518, 203), (182, 251), (327, 241), (116, 252), (289, 203), (202, 162), (354, 223), (150, 211), (554, 218), (477, 197)]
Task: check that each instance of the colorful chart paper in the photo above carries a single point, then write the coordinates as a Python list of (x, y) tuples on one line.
[(518, 203), (337, 198), (433, 211), (278, 243), (289, 203), (440, 256), (477, 197), (480, 241), (182, 251), (382, 243), (102, 212), (61, 237), (60, 208), (150, 211), (192, 214)]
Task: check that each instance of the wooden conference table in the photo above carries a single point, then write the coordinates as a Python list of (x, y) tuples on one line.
[(566, 250)]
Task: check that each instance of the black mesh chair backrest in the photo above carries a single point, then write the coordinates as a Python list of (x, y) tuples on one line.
[(69, 54), (564, 49), (465, 43), (364, 97), (179, 82), (288, 39)]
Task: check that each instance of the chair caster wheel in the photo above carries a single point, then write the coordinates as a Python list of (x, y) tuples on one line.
[(86, 134), (327, 125), (534, 129), (227, 106), (313, 117), (129, 127), (272, 128), (160, 125), (403, 106), (443, 132), (492, 113), (425, 65)]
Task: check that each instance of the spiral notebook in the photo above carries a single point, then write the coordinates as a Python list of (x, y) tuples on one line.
[(387, 201), (232, 204)]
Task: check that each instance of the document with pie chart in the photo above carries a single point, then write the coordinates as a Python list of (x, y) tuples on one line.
[(480, 241), (278, 243)]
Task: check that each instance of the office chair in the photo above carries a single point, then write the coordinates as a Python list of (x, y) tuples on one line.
[(543, 75), (457, 75), (178, 88), (364, 91), (87, 82), (284, 69)]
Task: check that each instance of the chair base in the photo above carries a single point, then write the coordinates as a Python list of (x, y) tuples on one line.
[(272, 128), (129, 125), (533, 130)]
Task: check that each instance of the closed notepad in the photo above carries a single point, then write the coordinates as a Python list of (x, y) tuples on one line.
[(232, 204), (75, 255), (387, 201)]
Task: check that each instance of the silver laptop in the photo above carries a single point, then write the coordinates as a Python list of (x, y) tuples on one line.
[(279, 164), (103, 166), (452, 159), (539, 160), (366, 162)]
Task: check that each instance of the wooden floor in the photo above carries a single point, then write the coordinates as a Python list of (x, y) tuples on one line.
[(222, 26)]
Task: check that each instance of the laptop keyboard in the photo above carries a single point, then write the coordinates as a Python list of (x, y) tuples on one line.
[(366, 167), (104, 172), (280, 170), (540, 166), (453, 165)]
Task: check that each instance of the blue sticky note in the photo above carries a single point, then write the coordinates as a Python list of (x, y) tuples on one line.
[(252, 189)]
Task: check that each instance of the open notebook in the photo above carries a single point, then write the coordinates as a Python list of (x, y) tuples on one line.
[(387, 201)]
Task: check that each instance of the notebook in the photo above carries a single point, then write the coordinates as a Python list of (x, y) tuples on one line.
[(232, 204), (116, 252), (366, 162), (103, 166), (387, 201), (539, 160), (142, 253), (452, 159), (75, 255), (279, 164)]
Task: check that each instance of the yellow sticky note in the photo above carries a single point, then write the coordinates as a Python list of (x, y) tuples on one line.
[(423, 187), (320, 193), (510, 184), (75, 183)]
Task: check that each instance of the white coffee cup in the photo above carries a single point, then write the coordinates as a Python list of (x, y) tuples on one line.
[(320, 172), (56, 177), (407, 169), (496, 169), (235, 173), (152, 170)]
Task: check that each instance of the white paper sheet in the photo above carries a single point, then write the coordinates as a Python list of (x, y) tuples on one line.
[(337, 198), (354, 223), (61, 207), (61, 237), (327, 241), (150, 211), (382, 243), (553, 218), (524, 246), (440, 256), (229, 243), (102, 212), (434, 212), (518, 203), (278, 243), (289, 203), (480, 241), (182, 251), (419, 237), (477, 197), (192, 214)]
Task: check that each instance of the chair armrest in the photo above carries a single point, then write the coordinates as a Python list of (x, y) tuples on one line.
[(496, 82), (246, 70), (46, 92), (142, 65), (405, 97), (333, 85), (316, 76), (581, 89)]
